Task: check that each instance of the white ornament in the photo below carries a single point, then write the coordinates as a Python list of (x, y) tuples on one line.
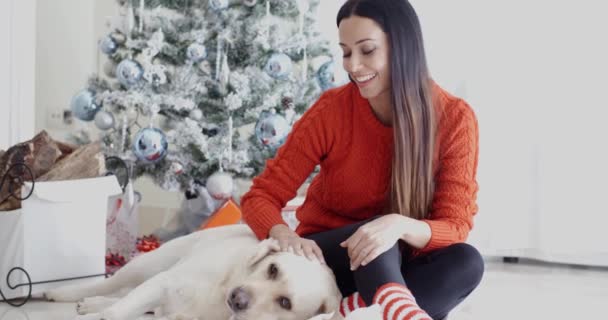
[(250, 3), (220, 185), (196, 114)]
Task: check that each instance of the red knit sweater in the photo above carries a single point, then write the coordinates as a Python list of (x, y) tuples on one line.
[(341, 133)]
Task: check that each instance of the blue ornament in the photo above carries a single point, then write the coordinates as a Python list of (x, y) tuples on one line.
[(150, 145), (279, 66), (326, 77), (83, 105), (129, 72), (107, 45), (218, 4), (196, 52), (271, 130)]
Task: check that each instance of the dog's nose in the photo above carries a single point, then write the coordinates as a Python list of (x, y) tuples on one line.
[(239, 299)]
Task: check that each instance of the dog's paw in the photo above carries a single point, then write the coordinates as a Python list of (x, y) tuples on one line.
[(93, 304), (59, 295)]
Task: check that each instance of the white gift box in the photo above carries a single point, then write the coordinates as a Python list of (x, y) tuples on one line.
[(59, 233)]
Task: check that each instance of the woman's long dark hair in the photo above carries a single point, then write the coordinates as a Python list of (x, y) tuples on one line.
[(414, 119)]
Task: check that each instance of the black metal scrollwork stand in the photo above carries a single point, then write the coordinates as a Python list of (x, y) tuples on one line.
[(16, 175)]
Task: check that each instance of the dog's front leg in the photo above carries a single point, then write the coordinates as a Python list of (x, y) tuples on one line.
[(146, 297)]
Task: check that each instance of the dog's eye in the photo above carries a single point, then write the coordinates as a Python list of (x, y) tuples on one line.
[(285, 303), (273, 271)]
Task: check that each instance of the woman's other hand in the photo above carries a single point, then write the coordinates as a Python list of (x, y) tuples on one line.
[(373, 239)]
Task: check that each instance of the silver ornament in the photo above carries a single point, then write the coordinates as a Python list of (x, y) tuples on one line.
[(83, 105), (108, 45), (325, 75), (279, 66), (104, 120), (272, 130), (129, 72), (150, 145), (250, 3)]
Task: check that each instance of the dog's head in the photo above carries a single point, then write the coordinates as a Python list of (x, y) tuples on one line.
[(282, 286)]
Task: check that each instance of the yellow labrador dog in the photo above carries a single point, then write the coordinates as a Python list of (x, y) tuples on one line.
[(222, 273)]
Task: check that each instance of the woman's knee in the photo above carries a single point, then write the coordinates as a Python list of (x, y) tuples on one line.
[(470, 262)]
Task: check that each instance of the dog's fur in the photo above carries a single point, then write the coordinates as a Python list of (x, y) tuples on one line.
[(222, 273)]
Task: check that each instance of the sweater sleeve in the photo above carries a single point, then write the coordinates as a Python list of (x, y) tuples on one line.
[(454, 201), (306, 144)]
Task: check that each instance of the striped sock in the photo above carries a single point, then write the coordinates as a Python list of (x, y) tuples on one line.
[(398, 303), (351, 303)]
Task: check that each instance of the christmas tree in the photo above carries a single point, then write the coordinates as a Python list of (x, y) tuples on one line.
[(193, 87)]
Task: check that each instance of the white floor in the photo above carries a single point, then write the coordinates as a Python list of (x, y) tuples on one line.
[(527, 290)]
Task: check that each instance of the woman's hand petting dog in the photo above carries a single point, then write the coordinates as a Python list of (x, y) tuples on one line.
[(289, 241)]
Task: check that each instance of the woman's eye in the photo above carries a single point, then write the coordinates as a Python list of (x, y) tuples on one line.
[(273, 271), (346, 55), (285, 303), (368, 52)]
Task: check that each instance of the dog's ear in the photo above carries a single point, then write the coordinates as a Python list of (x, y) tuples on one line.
[(264, 248)]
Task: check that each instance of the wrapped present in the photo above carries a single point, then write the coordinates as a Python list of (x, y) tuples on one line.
[(228, 213)]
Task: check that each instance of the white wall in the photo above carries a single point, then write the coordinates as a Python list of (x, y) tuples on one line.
[(17, 63), (66, 54), (535, 73)]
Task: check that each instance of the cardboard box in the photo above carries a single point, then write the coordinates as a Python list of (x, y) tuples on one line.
[(59, 233)]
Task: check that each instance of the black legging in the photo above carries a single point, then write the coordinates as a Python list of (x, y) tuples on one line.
[(439, 280)]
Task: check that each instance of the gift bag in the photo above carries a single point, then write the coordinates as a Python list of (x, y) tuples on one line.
[(122, 224)]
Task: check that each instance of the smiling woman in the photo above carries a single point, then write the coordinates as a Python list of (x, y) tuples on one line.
[(396, 194)]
